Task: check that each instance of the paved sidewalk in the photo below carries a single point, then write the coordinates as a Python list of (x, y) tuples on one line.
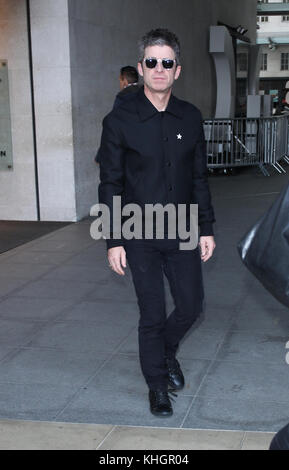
[(68, 332), (39, 435)]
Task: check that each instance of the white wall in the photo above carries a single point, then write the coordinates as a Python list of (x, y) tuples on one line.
[(274, 24), (52, 90), (17, 187), (274, 62)]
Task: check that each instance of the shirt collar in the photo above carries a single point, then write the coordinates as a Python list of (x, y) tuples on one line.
[(131, 84), (146, 109)]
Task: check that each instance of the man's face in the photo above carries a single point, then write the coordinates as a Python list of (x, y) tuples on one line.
[(159, 79)]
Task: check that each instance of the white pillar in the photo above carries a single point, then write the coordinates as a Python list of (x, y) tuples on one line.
[(53, 110)]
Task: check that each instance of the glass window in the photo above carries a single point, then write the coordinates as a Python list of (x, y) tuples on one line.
[(285, 17), (242, 61), (284, 60), (264, 61)]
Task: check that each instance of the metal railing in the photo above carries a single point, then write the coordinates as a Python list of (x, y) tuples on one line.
[(247, 141)]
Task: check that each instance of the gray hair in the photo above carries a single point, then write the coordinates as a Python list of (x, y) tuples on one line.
[(159, 37)]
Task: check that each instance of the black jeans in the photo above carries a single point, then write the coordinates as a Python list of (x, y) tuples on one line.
[(159, 335)]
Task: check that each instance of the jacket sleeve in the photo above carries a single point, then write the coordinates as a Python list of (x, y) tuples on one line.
[(201, 190), (111, 159)]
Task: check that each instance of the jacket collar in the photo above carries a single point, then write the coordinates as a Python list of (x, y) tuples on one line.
[(146, 109)]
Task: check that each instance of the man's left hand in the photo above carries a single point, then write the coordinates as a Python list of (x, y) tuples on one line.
[(207, 245)]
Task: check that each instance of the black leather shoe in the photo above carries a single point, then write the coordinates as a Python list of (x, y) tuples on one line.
[(176, 379), (160, 403)]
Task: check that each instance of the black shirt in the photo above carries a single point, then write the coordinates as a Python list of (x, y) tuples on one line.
[(150, 157)]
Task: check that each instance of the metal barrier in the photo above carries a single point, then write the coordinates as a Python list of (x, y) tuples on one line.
[(247, 141)]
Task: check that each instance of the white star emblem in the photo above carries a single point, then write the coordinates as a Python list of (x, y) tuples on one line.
[(179, 136)]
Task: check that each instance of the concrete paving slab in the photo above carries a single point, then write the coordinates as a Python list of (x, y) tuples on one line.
[(78, 230), (80, 234), (91, 255), (123, 373), (120, 373), (6, 351), (114, 407), (197, 344), (57, 289), (75, 273), (104, 312), (235, 413), (25, 256), (15, 333), (41, 435), (201, 343), (33, 401), (33, 308), (23, 271), (274, 321), (32, 435), (58, 368), (120, 288), (260, 307), (257, 440), (259, 296), (62, 245), (263, 348), (214, 317), (217, 293), (79, 336), (9, 286), (247, 381), (126, 438)]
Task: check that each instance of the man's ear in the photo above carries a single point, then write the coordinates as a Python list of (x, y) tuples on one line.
[(177, 72), (139, 69)]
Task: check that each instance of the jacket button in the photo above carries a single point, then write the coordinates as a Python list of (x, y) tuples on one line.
[(166, 139), (170, 188), (169, 164)]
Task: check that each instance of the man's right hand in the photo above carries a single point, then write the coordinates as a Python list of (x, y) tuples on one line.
[(117, 259)]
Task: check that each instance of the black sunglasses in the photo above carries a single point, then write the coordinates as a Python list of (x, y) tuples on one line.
[(151, 62)]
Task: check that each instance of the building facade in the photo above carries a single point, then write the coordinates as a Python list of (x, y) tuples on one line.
[(273, 37), (62, 61)]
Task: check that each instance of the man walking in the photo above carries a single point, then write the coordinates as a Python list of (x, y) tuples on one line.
[(153, 151)]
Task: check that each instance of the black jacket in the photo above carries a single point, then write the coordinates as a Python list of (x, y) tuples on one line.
[(147, 156), (123, 94)]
